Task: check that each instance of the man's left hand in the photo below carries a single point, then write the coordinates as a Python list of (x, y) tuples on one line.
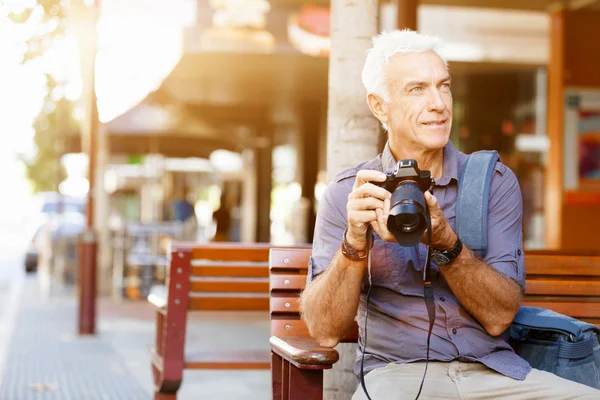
[(443, 236)]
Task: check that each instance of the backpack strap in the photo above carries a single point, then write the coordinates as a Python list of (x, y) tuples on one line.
[(473, 199), (541, 319)]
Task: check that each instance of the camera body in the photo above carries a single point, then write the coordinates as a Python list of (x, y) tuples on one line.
[(407, 170), (409, 215)]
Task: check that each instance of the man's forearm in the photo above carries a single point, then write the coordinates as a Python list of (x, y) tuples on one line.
[(489, 296), (329, 303)]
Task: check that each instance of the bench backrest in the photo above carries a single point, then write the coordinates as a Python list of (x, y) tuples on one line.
[(288, 268), (566, 284), (219, 276)]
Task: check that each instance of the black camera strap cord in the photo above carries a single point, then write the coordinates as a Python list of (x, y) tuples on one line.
[(429, 303)]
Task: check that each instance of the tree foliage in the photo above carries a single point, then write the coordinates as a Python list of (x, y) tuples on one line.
[(51, 25), (53, 126), (54, 123)]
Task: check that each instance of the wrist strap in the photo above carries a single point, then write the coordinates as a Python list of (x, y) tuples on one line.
[(351, 253)]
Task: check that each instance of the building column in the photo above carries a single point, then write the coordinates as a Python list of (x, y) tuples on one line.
[(264, 182), (248, 204), (407, 14), (554, 176), (572, 206), (352, 132), (311, 124)]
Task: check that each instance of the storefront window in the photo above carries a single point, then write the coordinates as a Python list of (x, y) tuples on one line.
[(504, 110)]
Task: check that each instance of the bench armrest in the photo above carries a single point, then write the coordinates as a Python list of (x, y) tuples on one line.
[(304, 352), (159, 301)]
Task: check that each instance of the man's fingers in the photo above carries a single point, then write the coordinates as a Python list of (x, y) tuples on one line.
[(381, 218), (430, 199), (367, 175), (386, 208), (365, 198), (376, 227), (365, 203), (380, 226), (362, 217), (370, 190), (432, 204)]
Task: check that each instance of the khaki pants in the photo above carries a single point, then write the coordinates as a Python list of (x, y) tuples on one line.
[(467, 381)]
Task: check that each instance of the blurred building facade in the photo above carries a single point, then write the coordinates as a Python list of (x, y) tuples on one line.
[(246, 106)]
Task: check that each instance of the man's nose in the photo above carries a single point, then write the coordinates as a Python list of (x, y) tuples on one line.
[(435, 102)]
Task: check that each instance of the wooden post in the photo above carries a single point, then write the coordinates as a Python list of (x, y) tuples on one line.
[(85, 19)]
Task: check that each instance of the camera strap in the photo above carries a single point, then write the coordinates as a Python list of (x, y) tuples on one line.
[(427, 294), (362, 361)]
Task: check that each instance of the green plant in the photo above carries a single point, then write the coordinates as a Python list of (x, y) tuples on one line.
[(55, 120)]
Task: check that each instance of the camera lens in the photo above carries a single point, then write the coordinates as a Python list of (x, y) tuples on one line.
[(408, 222), (408, 217)]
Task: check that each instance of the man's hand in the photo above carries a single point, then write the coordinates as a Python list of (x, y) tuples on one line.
[(443, 236), (368, 204)]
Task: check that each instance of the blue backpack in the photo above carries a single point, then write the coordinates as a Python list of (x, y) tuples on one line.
[(549, 341)]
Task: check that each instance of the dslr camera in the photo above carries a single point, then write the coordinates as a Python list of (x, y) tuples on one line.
[(409, 216)]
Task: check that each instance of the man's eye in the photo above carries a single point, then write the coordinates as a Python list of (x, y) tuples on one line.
[(446, 85), (416, 89)]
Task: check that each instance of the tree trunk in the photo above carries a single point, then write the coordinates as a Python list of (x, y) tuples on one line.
[(352, 131)]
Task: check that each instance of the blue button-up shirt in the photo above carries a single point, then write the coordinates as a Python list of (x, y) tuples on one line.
[(398, 319)]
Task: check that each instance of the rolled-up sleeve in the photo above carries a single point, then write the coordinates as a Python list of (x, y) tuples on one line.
[(330, 225), (505, 237)]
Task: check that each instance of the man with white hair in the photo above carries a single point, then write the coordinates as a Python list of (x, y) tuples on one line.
[(409, 91)]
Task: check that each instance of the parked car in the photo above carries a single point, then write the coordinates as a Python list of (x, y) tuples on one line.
[(57, 216), (34, 249)]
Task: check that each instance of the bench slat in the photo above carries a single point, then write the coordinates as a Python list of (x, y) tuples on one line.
[(288, 281), (225, 359), (297, 327), (232, 252), (230, 285), (555, 270), (577, 308), (289, 304), (594, 321), (230, 302), (564, 287), (562, 265), (296, 258), (248, 270), (288, 326)]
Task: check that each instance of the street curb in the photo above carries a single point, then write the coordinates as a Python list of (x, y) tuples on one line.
[(7, 322)]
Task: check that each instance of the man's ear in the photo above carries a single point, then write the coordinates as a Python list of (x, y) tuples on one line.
[(377, 106)]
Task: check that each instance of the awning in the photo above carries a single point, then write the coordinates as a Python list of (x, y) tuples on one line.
[(215, 101), (250, 79)]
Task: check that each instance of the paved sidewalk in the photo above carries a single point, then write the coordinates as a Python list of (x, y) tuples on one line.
[(129, 328), (47, 360)]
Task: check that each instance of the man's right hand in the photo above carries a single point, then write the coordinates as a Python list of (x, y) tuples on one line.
[(368, 204)]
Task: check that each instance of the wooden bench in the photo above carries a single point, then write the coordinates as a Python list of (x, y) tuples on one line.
[(566, 284), (221, 277)]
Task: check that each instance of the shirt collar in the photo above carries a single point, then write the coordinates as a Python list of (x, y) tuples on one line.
[(450, 168)]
